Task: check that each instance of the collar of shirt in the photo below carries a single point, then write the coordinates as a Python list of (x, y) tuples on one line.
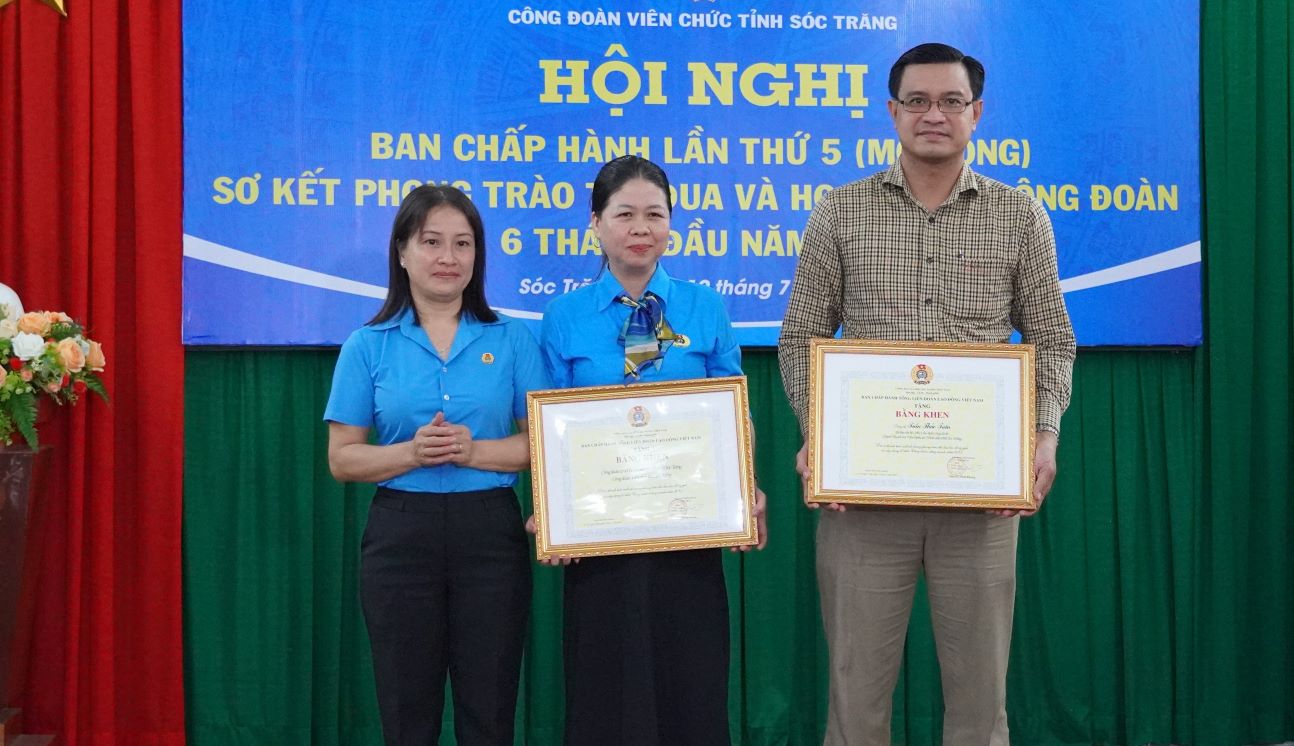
[(967, 181), (608, 288), (469, 329)]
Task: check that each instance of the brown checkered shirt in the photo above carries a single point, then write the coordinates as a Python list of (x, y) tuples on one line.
[(875, 260)]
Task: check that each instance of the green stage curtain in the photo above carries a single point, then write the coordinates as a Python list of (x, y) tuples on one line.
[(1243, 652), (1105, 649)]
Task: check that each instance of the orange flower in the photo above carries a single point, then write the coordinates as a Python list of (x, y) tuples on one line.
[(58, 317), (34, 322), (70, 353), (95, 359)]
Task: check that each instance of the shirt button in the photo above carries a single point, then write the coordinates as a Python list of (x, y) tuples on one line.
[(931, 220), (930, 260), (444, 370), (928, 302), (930, 339), (446, 397)]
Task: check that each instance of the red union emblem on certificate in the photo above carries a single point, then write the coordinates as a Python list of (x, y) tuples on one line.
[(639, 416), (922, 374)]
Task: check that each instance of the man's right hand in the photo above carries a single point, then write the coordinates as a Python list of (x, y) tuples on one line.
[(802, 468)]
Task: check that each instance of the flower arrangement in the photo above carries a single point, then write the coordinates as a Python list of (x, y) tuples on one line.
[(43, 354)]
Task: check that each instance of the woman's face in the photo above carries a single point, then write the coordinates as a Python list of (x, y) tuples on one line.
[(440, 255), (634, 228)]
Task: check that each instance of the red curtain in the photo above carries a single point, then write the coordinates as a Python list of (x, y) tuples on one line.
[(90, 223)]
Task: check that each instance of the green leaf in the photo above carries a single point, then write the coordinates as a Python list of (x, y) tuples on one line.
[(94, 384), (23, 409), (63, 330)]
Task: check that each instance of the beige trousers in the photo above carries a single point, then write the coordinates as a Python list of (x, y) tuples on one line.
[(868, 560)]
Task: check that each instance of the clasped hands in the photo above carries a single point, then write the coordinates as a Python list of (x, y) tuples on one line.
[(439, 442)]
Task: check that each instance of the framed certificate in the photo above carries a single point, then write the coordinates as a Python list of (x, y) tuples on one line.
[(932, 425), (647, 467)]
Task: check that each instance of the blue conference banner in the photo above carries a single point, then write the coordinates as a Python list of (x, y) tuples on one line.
[(306, 122)]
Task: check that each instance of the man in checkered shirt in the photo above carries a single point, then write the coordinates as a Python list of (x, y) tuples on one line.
[(927, 251)]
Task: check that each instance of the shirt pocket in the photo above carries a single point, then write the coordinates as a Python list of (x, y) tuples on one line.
[(481, 391), (595, 356), (406, 394), (688, 362), (978, 277)]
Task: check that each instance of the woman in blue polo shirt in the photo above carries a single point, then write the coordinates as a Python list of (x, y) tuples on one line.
[(646, 635), (444, 569)]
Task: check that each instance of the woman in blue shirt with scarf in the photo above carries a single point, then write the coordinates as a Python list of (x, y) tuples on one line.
[(646, 635), (444, 569)]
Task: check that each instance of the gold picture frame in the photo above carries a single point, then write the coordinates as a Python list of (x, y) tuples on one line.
[(649, 467), (937, 424)]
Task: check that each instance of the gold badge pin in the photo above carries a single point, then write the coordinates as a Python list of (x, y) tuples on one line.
[(681, 340), (487, 358)]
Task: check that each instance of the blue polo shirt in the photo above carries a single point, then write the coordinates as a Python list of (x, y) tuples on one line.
[(581, 334), (389, 377)]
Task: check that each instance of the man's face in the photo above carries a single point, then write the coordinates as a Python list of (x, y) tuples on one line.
[(935, 136)]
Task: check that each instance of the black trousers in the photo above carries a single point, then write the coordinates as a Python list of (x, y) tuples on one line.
[(646, 650), (445, 587)]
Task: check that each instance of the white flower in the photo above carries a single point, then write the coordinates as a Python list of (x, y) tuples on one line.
[(27, 346), (9, 303), (84, 345), (8, 328)]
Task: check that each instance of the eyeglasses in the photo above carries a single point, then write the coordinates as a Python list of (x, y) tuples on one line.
[(921, 104)]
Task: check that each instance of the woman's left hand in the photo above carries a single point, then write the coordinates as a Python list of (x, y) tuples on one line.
[(450, 443), (761, 522), (556, 560)]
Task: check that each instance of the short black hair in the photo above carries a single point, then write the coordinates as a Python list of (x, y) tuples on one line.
[(936, 54), (626, 168), (408, 221)]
